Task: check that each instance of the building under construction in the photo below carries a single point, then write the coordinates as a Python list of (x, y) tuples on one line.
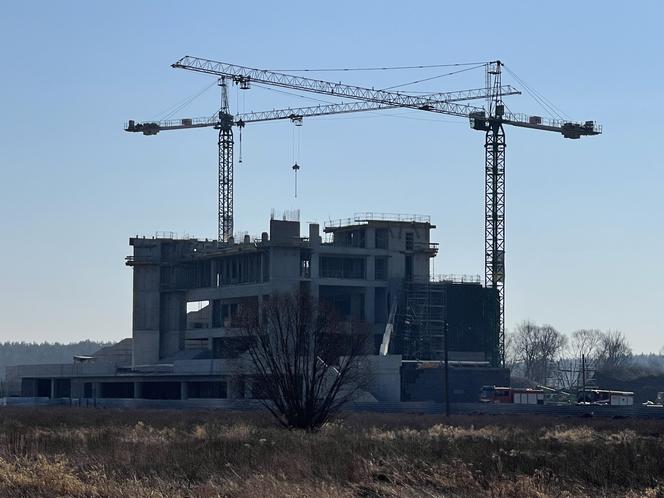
[(187, 293)]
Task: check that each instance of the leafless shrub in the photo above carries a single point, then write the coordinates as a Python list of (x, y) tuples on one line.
[(307, 362)]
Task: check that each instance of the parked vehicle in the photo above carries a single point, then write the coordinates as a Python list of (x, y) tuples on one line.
[(513, 395), (658, 403), (605, 397)]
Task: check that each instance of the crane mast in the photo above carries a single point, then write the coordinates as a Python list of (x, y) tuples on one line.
[(494, 198), (225, 171)]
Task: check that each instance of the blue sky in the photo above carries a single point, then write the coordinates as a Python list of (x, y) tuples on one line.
[(584, 217)]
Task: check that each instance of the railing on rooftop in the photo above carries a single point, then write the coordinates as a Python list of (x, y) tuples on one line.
[(457, 279), (359, 218), (165, 234)]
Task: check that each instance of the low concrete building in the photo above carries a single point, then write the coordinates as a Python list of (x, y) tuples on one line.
[(188, 292)]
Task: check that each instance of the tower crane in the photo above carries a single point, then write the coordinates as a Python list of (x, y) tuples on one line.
[(491, 120)]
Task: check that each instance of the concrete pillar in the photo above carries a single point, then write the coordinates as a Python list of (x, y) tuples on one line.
[(184, 390), (172, 323), (370, 238), (138, 390), (52, 389), (145, 326), (314, 234), (370, 271), (369, 304)]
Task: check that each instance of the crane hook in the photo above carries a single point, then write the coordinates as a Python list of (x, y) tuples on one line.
[(296, 168)]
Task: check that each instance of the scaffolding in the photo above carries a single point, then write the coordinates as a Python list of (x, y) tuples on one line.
[(423, 320)]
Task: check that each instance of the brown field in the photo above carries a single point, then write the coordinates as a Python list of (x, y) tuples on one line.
[(105, 453)]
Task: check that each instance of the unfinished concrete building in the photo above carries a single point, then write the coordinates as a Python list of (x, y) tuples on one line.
[(187, 294)]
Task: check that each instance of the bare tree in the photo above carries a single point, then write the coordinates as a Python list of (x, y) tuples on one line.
[(577, 368), (511, 355), (585, 343), (306, 362), (614, 351), (537, 348)]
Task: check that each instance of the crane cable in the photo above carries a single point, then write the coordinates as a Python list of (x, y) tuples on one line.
[(539, 98), (434, 77), (381, 68), (167, 113)]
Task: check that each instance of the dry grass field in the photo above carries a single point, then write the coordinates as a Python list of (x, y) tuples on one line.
[(58, 452)]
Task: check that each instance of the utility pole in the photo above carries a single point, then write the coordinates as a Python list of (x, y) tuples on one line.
[(583, 374), (447, 374)]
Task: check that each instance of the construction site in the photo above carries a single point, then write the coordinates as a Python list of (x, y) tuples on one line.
[(435, 337)]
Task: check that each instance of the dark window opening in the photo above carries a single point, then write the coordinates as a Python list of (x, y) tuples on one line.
[(381, 238), (198, 314), (161, 390), (206, 390), (347, 302), (62, 388), (380, 268), (116, 390), (409, 267), (43, 388), (350, 238), (340, 267), (305, 265), (410, 244)]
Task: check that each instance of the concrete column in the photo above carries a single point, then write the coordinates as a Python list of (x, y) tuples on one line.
[(370, 272), (96, 392), (138, 390), (369, 304), (172, 324), (145, 326), (370, 238), (52, 389), (184, 390)]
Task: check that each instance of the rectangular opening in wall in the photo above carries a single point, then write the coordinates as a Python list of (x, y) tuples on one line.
[(198, 315), (409, 267), (410, 241), (161, 390), (350, 238), (116, 390), (342, 267), (381, 238), (380, 268), (43, 388), (208, 390), (380, 305), (347, 302), (62, 388), (305, 264)]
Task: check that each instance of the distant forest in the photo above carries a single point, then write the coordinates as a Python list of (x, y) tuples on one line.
[(24, 353)]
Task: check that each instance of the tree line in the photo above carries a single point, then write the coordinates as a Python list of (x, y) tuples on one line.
[(26, 353), (540, 352)]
